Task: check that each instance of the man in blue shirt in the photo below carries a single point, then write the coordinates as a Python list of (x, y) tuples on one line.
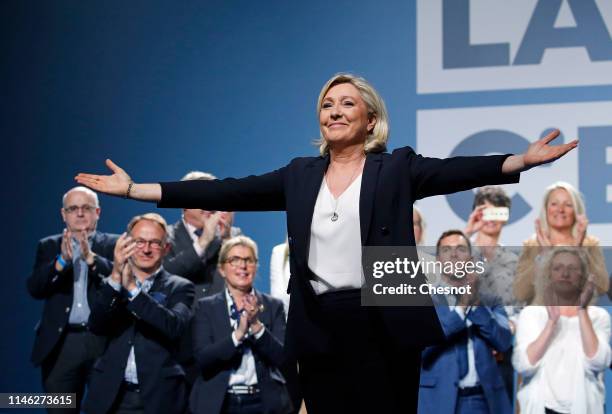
[(461, 375), (67, 273)]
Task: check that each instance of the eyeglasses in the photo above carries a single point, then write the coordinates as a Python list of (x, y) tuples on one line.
[(237, 261), (155, 244), (85, 209)]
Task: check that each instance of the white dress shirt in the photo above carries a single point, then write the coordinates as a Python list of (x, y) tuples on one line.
[(246, 373)]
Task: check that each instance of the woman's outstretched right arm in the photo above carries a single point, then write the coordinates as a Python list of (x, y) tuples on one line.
[(120, 184), (253, 193)]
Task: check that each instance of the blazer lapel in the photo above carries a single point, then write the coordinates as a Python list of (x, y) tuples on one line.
[(222, 318), (97, 241), (159, 282), (264, 315), (97, 247), (313, 177), (182, 237), (369, 180)]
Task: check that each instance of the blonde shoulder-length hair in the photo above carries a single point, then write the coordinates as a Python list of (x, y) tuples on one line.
[(376, 141), (542, 282), (575, 196)]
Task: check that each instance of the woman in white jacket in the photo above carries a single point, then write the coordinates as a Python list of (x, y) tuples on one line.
[(279, 273), (562, 349)]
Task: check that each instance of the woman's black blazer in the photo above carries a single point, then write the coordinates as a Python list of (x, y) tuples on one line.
[(391, 183)]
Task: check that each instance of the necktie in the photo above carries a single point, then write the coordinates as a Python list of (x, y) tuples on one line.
[(79, 313), (462, 354), (198, 232), (76, 260)]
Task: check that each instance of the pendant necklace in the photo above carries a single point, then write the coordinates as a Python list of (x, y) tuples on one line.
[(335, 201), (334, 216)]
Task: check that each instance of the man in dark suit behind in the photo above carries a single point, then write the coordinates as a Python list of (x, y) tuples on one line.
[(144, 310), (195, 241), (67, 273), (238, 341)]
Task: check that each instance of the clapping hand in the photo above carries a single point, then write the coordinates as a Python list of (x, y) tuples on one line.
[(65, 251), (224, 227), (475, 221), (554, 312), (66, 248), (542, 236), (251, 306), (128, 280), (124, 249), (581, 227), (249, 317), (243, 326), (210, 222), (86, 252), (587, 292)]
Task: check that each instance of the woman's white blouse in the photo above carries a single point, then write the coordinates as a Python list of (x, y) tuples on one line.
[(564, 379), (335, 246)]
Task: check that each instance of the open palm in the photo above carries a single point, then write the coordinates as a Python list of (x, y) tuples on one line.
[(115, 184), (540, 152)]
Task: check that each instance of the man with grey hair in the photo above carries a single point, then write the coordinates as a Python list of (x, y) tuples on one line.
[(145, 311), (67, 273), (195, 242)]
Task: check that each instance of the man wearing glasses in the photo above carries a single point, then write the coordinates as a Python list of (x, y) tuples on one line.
[(67, 272), (145, 311)]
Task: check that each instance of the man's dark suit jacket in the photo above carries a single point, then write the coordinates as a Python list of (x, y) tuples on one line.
[(56, 288), (183, 260), (216, 355), (390, 184), (153, 323)]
